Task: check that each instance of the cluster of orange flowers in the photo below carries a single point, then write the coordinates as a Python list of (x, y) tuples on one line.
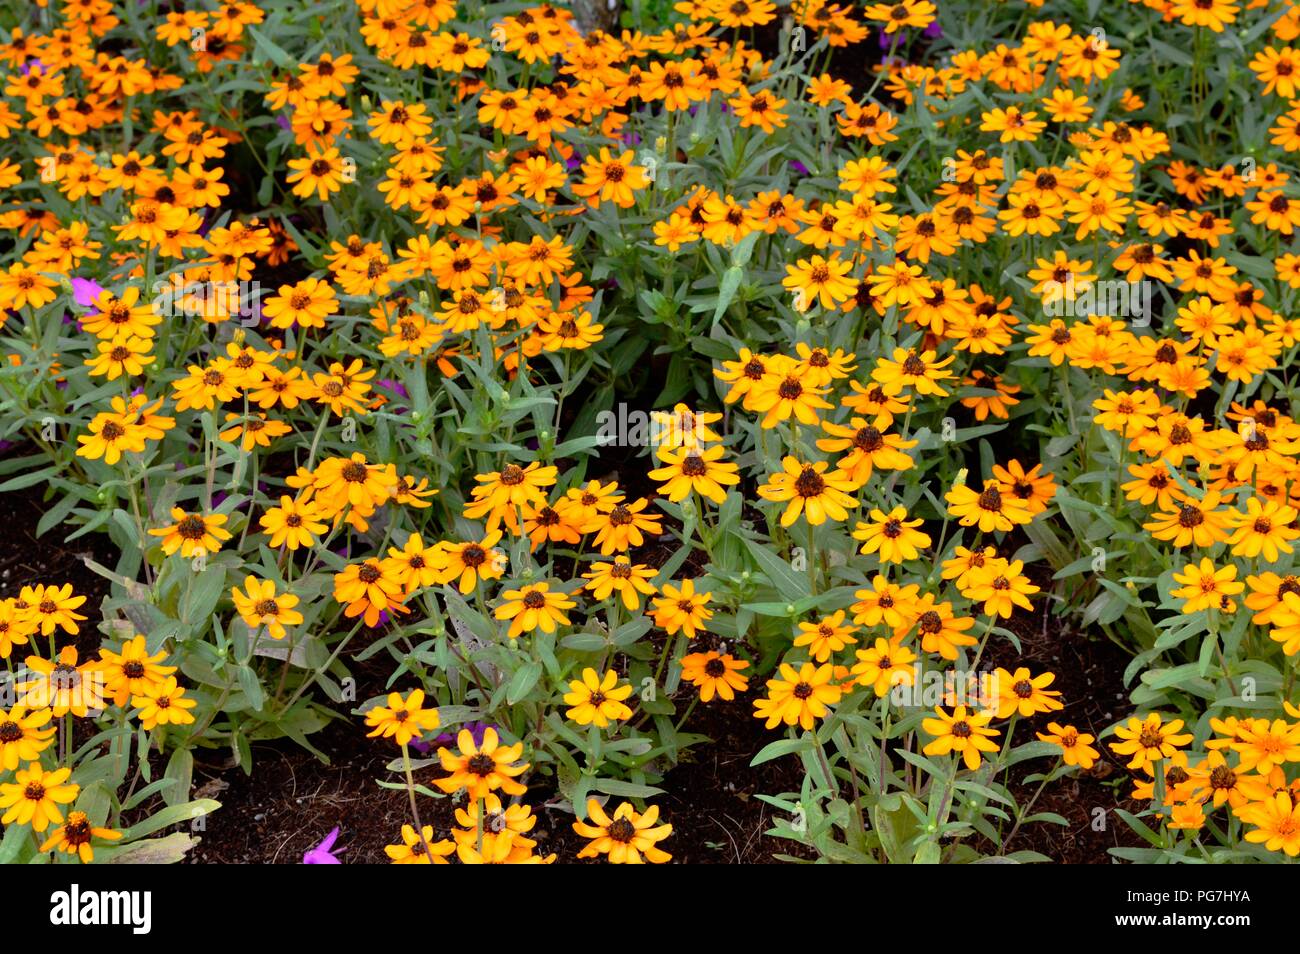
[(130, 678), (1253, 786)]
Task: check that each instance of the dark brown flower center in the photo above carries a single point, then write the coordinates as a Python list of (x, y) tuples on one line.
[(481, 765), (192, 528), (621, 830), (809, 483)]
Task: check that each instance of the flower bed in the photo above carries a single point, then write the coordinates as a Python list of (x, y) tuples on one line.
[(855, 433)]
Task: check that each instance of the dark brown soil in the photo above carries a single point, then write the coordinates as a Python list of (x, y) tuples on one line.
[(1089, 671), (292, 800), (26, 560)]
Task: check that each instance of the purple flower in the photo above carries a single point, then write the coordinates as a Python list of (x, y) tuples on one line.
[(798, 167), (26, 68), (395, 387), (323, 854), (85, 291), (933, 30)]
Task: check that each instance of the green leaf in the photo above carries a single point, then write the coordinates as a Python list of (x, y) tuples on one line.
[(202, 595), (788, 583), (779, 748), (927, 854), (28, 480), (174, 815), (612, 786), (524, 680), (180, 770), (727, 288), (168, 850), (15, 837), (269, 50), (252, 687)]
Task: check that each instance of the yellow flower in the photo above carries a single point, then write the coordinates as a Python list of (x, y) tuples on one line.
[(798, 697), (413, 566), (368, 589), (132, 671), (1204, 587), (989, 509), (193, 533), (782, 396), (1019, 692), (1076, 747), (622, 577), (259, 606), (494, 816), (482, 769), (1001, 587), (941, 632), (73, 837), (294, 524), (51, 607), (628, 837), (965, 733), (826, 636), (810, 490), (1149, 740), (164, 704), (63, 685), (891, 536), (701, 469), (682, 610), (253, 430), (34, 796), (534, 607), (465, 564), (421, 848), (402, 719), (500, 494), (715, 673), (884, 665), (24, 735), (501, 848), (868, 448), (596, 699), (1277, 823), (920, 371)]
